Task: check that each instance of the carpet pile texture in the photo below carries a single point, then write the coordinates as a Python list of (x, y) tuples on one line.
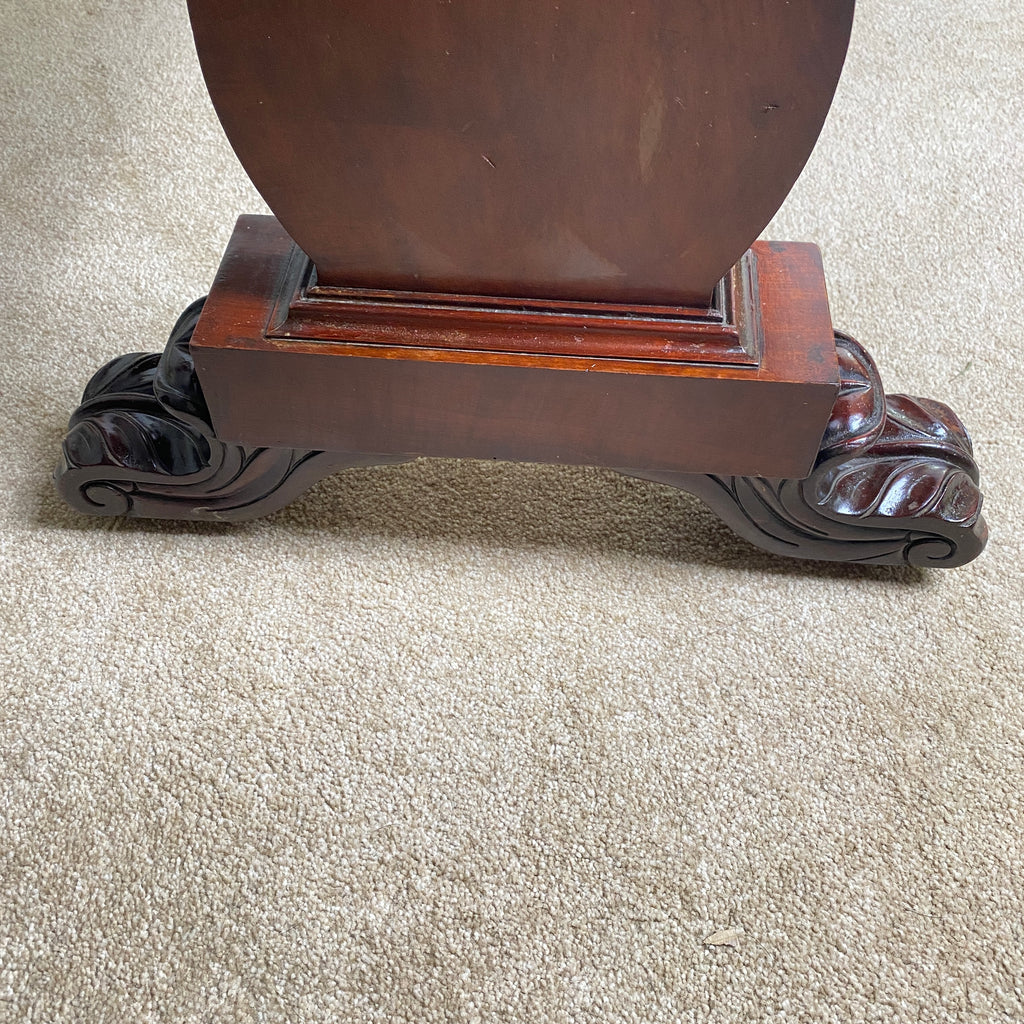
[(476, 742)]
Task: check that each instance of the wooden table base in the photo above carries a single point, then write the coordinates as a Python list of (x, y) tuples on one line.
[(754, 404)]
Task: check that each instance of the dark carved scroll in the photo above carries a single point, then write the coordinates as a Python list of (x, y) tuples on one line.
[(141, 444), (895, 483)]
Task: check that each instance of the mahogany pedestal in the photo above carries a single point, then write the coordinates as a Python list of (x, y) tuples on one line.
[(754, 403)]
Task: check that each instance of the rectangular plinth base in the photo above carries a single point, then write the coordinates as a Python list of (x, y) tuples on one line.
[(744, 387)]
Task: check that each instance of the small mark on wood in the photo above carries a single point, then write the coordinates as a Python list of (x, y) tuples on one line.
[(650, 131)]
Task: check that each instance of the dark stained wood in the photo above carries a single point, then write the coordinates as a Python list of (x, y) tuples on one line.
[(623, 152), (377, 387), (894, 481), (141, 445), (722, 333), (525, 228)]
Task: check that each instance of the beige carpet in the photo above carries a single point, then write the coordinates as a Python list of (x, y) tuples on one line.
[(475, 742)]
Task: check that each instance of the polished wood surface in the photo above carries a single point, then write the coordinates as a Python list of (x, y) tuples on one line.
[(725, 332), (579, 294), (894, 481), (576, 150), (377, 388)]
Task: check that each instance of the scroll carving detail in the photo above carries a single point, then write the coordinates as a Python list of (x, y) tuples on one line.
[(894, 483), (141, 444)]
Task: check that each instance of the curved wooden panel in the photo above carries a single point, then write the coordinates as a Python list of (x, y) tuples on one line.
[(625, 152)]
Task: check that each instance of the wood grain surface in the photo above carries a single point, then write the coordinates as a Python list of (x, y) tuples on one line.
[(623, 152), (358, 388)]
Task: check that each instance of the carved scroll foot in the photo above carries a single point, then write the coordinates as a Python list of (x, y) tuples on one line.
[(895, 483), (141, 444)]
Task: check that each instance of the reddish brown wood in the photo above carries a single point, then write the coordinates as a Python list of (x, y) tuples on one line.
[(523, 222), (724, 332), (624, 152), (894, 482), (141, 445), (378, 385)]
